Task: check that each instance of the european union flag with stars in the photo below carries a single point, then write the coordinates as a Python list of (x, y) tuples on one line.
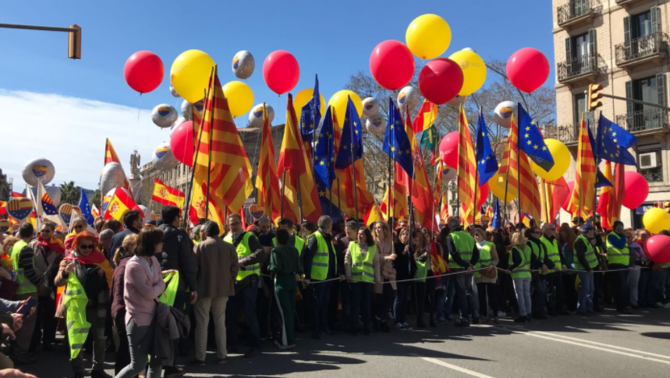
[(396, 141), (324, 157), (487, 164), (85, 208), (612, 142), (351, 142), (310, 116), (532, 142)]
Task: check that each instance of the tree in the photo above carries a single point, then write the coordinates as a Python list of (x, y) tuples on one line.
[(95, 199), (69, 193), (541, 105)]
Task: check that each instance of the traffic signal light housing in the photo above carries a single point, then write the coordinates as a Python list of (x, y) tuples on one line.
[(74, 42), (593, 96)]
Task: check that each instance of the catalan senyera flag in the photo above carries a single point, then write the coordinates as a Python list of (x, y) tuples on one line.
[(616, 198), (398, 201), (294, 162), (444, 210), (426, 116), (466, 171), (583, 194), (605, 197), (422, 193), (221, 153), (110, 154), (267, 181), (120, 204), (167, 196), (550, 198)]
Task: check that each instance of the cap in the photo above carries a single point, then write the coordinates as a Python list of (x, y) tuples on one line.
[(577, 220), (587, 227)]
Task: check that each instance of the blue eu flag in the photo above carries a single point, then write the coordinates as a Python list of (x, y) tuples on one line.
[(324, 157), (612, 143), (497, 220), (601, 180), (531, 141), (311, 115), (351, 142), (487, 164), (396, 141), (85, 208)]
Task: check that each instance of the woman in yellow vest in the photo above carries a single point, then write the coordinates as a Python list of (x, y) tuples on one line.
[(519, 268), (87, 274), (486, 280), (361, 268)]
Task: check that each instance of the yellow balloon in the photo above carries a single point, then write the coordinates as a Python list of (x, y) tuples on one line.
[(303, 97), (339, 104), (190, 74), (240, 97), (497, 187), (561, 156), (428, 36), (474, 71), (656, 220)]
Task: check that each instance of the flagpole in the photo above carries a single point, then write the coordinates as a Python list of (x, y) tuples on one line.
[(437, 166), (209, 162), (353, 164), (339, 193), (299, 199), (283, 191), (518, 171)]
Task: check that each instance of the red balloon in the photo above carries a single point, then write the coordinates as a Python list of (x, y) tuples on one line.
[(636, 189), (144, 71), (566, 202), (392, 64), (449, 149), (440, 80), (281, 71), (483, 194), (181, 142), (658, 249), (527, 69)]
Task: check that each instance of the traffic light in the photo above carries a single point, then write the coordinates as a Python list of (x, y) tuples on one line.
[(74, 43), (593, 96)]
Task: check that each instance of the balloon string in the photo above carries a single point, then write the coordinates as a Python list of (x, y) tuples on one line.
[(139, 107)]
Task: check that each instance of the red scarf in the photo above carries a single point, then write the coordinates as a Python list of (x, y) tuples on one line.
[(95, 258), (54, 244)]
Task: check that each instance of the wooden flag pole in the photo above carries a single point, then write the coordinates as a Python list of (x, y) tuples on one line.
[(283, 192)]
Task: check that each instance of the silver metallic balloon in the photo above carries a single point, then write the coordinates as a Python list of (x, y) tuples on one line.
[(456, 101), (409, 97), (38, 170), (162, 157), (375, 125), (243, 64), (469, 49), (176, 123), (256, 115), (173, 92), (187, 109), (503, 113), (449, 174), (370, 107), (112, 176), (164, 115), (54, 193)]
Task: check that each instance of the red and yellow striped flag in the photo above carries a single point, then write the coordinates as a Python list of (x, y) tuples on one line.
[(110, 154), (583, 194), (294, 163), (605, 198), (221, 154), (444, 211), (466, 171), (422, 193), (267, 181)]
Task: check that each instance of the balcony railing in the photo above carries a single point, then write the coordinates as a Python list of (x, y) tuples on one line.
[(626, 2), (568, 134), (648, 46), (645, 119), (576, 67), (574, 10)]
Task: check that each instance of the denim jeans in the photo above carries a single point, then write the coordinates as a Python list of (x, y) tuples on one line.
[(244, 299), (140, 340), (586, 289), (522, 291), (440, 299), (464, 295), (400, 303), (321, 299), (449, 301), (633, 279), (539, 295)]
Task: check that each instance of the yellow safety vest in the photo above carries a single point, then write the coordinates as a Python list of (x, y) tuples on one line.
[(25, 286), (320, 261), (464, 244), (552, 250), (243, 251), (75, 300), (299, 244), (523, 270), (172, 283), (617, 255), (590, 255), (362, 269), (485, 259)]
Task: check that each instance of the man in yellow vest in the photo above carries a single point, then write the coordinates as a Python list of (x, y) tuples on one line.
[(618, 260), (538, 261), (463, 255), (293, 239), (321, 267), (556, 304), (30, 283), (585, 262), (250, 255)]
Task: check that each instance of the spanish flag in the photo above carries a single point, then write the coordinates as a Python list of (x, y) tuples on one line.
[(167, 196), (120, 203), (373, 215)]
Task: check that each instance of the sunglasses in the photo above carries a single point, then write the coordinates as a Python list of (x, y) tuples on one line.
[(78, 227), (89, 246)]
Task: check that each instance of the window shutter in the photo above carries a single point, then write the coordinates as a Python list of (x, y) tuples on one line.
[(568, 50), (593, 52), (661, 85), (626, 31), (655, 19), (630, 109)]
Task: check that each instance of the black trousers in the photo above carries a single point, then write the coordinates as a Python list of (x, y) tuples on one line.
[(555, 292), (383, 303), (425, 299), (485, 289), (619, 285), (45, 322)]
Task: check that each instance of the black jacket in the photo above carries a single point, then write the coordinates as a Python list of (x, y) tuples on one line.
[(178, 254), (404, 263), (116, 241)]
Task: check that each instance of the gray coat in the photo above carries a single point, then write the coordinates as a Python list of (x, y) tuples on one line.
[(171, 324)]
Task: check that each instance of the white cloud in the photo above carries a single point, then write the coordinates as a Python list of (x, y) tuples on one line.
[(71, 133)]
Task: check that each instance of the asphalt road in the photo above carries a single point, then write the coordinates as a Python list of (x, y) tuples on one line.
[(604, 346)]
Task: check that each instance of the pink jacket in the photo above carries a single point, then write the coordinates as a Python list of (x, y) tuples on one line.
[(141, 290)]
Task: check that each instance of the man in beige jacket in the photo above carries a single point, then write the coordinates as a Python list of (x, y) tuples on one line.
[(217, 266)]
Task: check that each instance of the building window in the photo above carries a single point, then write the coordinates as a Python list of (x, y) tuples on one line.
[(641, 25), (651, 164), (649, 89), (580, 108)]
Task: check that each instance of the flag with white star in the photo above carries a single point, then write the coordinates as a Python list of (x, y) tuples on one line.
[(532, 142), (612, 142), (324, 157), (351, 144), (487, 164), (85, 208), (396, 141)]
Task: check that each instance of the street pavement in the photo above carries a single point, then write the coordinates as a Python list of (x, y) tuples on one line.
[(608, 345)]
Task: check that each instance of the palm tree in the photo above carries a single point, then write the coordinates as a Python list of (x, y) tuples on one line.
[(69, 193)]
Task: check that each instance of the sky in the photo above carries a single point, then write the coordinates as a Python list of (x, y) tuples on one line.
[(63, 109)]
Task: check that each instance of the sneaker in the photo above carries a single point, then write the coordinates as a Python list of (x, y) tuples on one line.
[(173, 371), (501, 314), (398, 326), (406, 326)]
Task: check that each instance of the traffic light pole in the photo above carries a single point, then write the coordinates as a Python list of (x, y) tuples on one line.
[(636, 101), (35, 27), (74, 31)]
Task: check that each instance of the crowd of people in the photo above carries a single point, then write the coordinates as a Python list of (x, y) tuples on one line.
[(134, 289)]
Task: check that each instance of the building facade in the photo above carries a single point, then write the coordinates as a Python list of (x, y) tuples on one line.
[(5, 187), (622, 45)]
